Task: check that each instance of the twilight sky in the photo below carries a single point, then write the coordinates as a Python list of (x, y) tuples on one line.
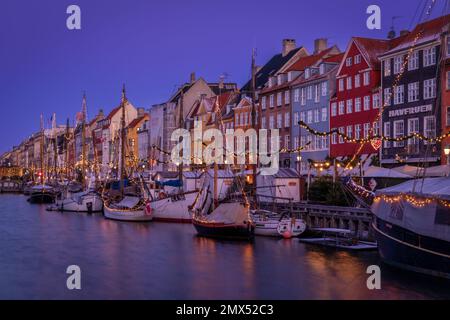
[(152, 46)]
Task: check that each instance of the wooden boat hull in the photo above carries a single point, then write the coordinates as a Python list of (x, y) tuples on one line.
[(86, 203), (226, 231), (137, 215)]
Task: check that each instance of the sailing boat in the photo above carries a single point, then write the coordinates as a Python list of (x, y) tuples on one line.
[(229, 219), (125, 205), (88, 200), (42, 193)]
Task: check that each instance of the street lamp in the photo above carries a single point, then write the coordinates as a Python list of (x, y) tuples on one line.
[(447, 152)]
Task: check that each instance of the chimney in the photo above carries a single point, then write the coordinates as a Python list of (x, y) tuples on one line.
[(320, 45), (288, 46), (192, 79), (391, 34), (404, 32), (140, 112)]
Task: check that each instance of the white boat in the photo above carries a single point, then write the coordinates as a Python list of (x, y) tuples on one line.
[(173, 208), (268, 223), (88, 201), (130, 208)]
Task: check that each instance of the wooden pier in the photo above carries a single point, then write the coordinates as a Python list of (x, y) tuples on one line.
[(325, 216)]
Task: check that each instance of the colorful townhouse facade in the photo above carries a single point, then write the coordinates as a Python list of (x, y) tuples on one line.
[(445, 94), (413, 104), (355, 108), (310, 94)]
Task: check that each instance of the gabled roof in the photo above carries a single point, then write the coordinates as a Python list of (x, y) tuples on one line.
[(270, 69), (307, 61), (429, 31), (137, 121)]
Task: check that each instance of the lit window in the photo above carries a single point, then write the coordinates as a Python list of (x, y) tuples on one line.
[(429, 89), (413, 91)]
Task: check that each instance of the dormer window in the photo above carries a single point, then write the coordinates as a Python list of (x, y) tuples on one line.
[(322, 68), (289, 76), (280, 79), (270, 82), (307, 73)]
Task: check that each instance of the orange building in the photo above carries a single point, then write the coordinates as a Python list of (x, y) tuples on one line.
[(133, 136)]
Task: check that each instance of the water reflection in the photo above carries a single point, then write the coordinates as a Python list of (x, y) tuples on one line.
[(168, 261)]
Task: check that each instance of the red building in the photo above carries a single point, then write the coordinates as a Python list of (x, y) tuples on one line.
[(355, 107), (445, 92)]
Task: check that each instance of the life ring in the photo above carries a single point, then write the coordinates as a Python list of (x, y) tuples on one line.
[(148, 208), (162, 195)]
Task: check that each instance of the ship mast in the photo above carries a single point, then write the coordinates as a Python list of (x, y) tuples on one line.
[(180, 125), (66, 141), (83, 140), (122, 172), (42, 150), (253, 89)]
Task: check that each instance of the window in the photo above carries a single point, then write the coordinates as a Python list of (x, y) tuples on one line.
[(341, 130), (366, 130), (310, 116), (317, 142), (413, 91), (296, 94), (448, 79), (366, 78), (296, 118), (334, 137), (413, 143), (357, 81), (375, 128), (324, 89), (357, 104), (271, 122), (399, 94), (348, 62), (307, 73), (448, 113), (316, 115), (341, 84), (448, 46), (302, 116), (309, 93), (387, 67), (324, 114), (303, 98), (341, 107), (296, 143), (263, 122), (270, 82), (366, 103), (271, 100), (287, 141), (349, 106), (429, 126), (286, 97), (324, 142), (387, 96), (350, 131), (387, 133), (398, 61), (333, 109), (279, 97), (413, 62), (399, 130), (357, 131), (263, 103), (429, 89), (303, 142), (280, 79), (375, 100), (279, 121), (322, 69), (429, 56), (349, 83), (287, 120), (316, 93), (357, 58)]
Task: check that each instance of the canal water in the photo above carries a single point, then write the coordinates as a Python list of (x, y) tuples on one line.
[(168, 261)]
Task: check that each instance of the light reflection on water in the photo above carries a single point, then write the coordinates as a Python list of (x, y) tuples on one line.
[(168, 261)]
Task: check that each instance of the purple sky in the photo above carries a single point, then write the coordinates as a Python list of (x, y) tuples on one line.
[(153, 46)]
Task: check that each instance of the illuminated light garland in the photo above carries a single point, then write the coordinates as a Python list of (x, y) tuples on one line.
[(415, 201), (369, 139)]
